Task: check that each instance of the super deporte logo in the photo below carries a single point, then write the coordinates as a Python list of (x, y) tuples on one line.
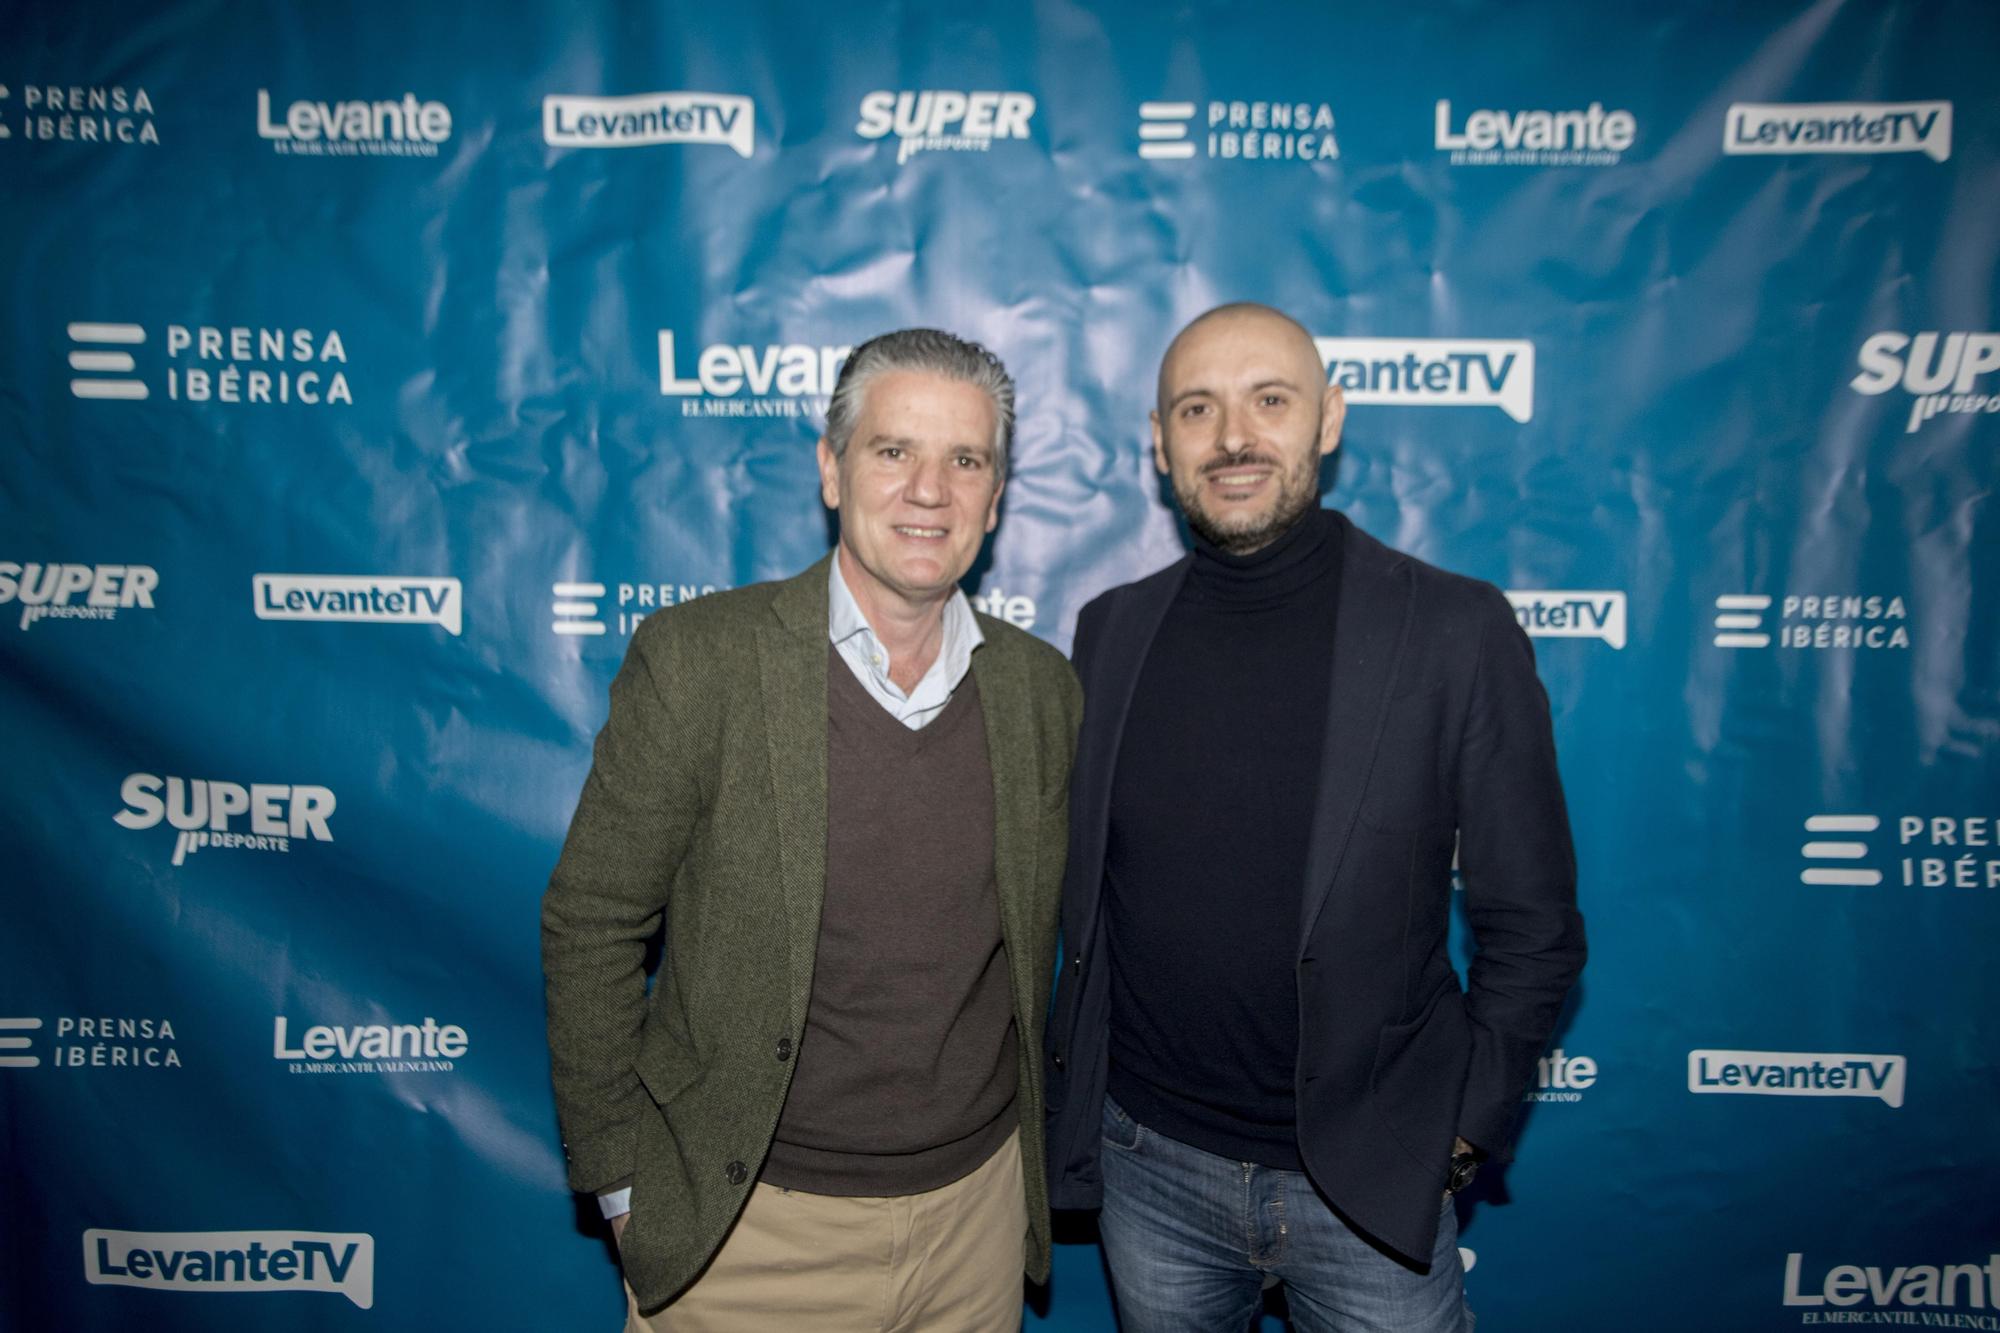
[(75, 592), (941, 120), (1942, 372), (233, 1261), (204, 813)]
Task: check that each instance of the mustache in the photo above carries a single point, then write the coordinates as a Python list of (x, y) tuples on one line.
[(1248, 458)]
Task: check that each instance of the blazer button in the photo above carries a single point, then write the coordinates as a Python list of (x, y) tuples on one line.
[(736, 1173), (1059, 1060), (784, 1048)]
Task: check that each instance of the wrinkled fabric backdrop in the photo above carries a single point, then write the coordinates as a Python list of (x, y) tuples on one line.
[(368, 372)]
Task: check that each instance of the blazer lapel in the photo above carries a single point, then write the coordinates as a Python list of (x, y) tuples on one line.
[(1372, 628), (791, 670), (1120, 655), (1011, 754)]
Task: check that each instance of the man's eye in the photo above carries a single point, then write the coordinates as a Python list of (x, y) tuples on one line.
[(890, 451), (967, 461), (1273, 399), (1194, 409)]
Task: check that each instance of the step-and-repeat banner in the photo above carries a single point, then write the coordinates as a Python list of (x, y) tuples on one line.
[(368, 373)]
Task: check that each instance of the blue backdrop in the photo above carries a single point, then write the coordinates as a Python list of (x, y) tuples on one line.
[(367, 372)]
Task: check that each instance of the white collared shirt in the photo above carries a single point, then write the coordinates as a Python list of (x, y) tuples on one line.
[(856, 641)]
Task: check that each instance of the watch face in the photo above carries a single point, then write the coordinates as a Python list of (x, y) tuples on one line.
[(1463, 1168)]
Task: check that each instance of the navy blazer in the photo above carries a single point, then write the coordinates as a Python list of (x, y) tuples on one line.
[(1436, 725)]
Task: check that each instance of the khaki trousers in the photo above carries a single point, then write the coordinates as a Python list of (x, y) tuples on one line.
[(950, 1259)]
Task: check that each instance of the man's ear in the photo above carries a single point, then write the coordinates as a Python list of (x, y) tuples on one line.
[(1159, 444), (829, 474), (1332, 416)]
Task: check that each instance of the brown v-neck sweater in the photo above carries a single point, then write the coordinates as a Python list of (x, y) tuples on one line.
[(907, 1069)]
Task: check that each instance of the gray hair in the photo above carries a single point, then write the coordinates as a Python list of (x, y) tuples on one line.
[(934, 352)]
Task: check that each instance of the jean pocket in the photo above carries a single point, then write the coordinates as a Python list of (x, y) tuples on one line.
[(1121, 1131)]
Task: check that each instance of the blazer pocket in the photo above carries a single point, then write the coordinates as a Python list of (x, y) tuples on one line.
[(1419, 1078), (665, 1067)]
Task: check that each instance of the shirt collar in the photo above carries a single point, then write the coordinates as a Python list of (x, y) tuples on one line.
[(961, 633)]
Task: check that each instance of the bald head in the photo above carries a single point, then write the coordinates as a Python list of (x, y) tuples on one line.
[(1281, 337)]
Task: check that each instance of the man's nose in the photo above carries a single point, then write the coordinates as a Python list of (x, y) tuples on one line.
[(927, 482)]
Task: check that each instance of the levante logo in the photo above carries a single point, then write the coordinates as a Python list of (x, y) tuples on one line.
[(401, 127), (1592, 137), (428, 1047), (233, 1261), (1902, 1295), (747, 380)]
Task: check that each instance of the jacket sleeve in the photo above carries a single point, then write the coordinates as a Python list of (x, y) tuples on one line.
[(1520, 878), (639, 807)]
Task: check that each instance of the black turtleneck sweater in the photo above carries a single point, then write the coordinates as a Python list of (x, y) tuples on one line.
[(1211, 806)]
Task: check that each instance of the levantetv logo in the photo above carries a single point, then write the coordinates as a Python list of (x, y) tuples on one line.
[(1839, 127), (644, 119), (1434, 372), (1571, 615), (1939, 372), (1798, 1074), (400, 128), (203, 811), (944, 121), (385, 600), (227, 1261), (1914, 1285)]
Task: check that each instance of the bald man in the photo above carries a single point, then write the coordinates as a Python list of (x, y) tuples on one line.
[(1262, 1064)]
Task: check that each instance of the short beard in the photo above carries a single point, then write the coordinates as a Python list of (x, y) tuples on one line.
[(1298, 495)]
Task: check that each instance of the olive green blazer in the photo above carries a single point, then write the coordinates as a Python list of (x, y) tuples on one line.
[(705, 809)]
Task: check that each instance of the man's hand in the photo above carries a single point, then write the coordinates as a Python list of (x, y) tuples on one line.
[(618, 1229)]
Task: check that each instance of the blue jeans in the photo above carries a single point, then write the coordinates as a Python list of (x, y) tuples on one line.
[(1192, 1238)]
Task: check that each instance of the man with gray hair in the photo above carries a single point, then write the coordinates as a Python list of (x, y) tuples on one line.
[(843, 795)]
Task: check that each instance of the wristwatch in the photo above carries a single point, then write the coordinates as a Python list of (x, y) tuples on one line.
[(1464, 1166)]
